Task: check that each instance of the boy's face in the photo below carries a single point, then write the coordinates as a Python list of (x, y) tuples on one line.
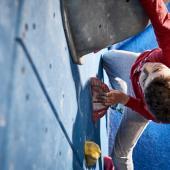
[(150, 71)]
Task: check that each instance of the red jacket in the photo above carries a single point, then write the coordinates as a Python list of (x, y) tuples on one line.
[(160, 19)]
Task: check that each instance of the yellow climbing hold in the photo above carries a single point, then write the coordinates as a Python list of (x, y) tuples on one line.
[(92, 153)]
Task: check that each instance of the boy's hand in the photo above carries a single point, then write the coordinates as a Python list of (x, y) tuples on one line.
[(112, 97)]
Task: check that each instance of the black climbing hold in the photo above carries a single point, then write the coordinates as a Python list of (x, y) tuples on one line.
[(54, 15)]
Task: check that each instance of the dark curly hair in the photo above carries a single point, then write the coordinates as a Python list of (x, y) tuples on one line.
[(157, 98)]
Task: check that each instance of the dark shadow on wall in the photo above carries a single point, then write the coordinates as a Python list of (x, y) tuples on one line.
[(83, 128)]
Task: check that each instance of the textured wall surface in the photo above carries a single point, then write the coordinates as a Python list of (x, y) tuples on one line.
[(44, 121)]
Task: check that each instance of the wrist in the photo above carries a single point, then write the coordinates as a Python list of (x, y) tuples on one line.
[(124, 98)]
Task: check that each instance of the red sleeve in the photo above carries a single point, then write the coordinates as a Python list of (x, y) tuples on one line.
[(160, 19), (138, 106)]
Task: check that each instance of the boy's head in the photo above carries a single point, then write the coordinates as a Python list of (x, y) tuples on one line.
[(155, 83)]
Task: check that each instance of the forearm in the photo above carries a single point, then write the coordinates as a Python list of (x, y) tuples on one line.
[(116, 96), (156, 11), (138, 106), (124, 98)]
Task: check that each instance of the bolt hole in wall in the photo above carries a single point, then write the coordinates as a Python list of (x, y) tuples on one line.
[(46, 130), (34, 26), (27, 97), (50, 66), (23, 70), (59, 153), (26, 27)]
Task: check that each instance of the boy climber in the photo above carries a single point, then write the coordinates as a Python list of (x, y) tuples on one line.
[(150, 80)]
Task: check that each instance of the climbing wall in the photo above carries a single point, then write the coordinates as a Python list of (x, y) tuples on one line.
[(45, 109)]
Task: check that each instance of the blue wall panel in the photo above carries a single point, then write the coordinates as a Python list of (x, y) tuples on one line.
[(34, 133), (7, 51)]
